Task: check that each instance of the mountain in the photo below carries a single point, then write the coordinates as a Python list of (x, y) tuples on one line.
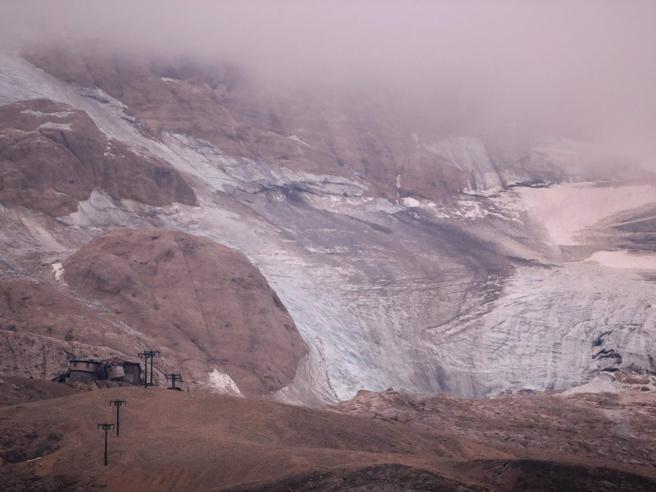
[(407, 256)]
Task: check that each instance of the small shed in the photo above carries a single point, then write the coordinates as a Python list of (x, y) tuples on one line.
[(122, 370), (114, 369), (85, 370), (84, 365), (115, 372), (132, 372)]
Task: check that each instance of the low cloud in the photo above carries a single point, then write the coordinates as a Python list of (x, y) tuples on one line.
[(581, 69)]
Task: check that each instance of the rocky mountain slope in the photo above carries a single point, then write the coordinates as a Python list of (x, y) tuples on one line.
[(302, 130), (202, 304), (211, 314), (599, 427), (54, 156), (406, 257)]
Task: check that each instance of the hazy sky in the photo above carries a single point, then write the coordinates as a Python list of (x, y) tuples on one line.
[(575, 67)]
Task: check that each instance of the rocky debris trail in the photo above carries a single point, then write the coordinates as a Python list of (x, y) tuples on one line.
[(198, 441), (600, 429)]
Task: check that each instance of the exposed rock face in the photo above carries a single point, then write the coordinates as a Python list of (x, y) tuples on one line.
[(593, 428), (52, 156), (42, 327), (202, 304), (320, 133)]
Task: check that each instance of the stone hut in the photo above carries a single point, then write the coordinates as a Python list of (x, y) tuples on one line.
[(84, 370), (115, 369), (123, 370)]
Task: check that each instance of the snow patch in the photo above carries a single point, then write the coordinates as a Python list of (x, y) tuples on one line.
[(624, 259), (465, 209), (222, 383), (408, 201), (97, 212), (565, 210), (58, 271), (40, 114), (298, 140), (600, 384), (65, 127)]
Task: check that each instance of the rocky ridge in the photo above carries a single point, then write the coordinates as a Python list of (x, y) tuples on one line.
[(53, 156)]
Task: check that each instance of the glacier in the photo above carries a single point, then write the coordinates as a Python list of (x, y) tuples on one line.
[(497, 289)]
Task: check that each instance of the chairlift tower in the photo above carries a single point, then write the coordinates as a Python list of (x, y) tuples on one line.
[(105, 428), (146, 355), (118, 404), (174, 378)]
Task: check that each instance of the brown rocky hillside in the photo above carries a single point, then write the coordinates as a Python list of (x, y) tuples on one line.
[(53, 156), (202, 304)]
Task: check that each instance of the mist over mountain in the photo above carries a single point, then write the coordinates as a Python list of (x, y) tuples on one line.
[(416, 238), (507, 68)]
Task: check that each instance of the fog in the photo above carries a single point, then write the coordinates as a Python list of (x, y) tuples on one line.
[(582, 69)]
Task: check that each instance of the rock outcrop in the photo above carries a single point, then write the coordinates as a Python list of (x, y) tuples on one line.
[(42, 327), (52, 156), (203, 305)]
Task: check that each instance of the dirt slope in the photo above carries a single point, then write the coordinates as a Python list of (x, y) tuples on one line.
[(202, 304), (14, 390), (199, 441)]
